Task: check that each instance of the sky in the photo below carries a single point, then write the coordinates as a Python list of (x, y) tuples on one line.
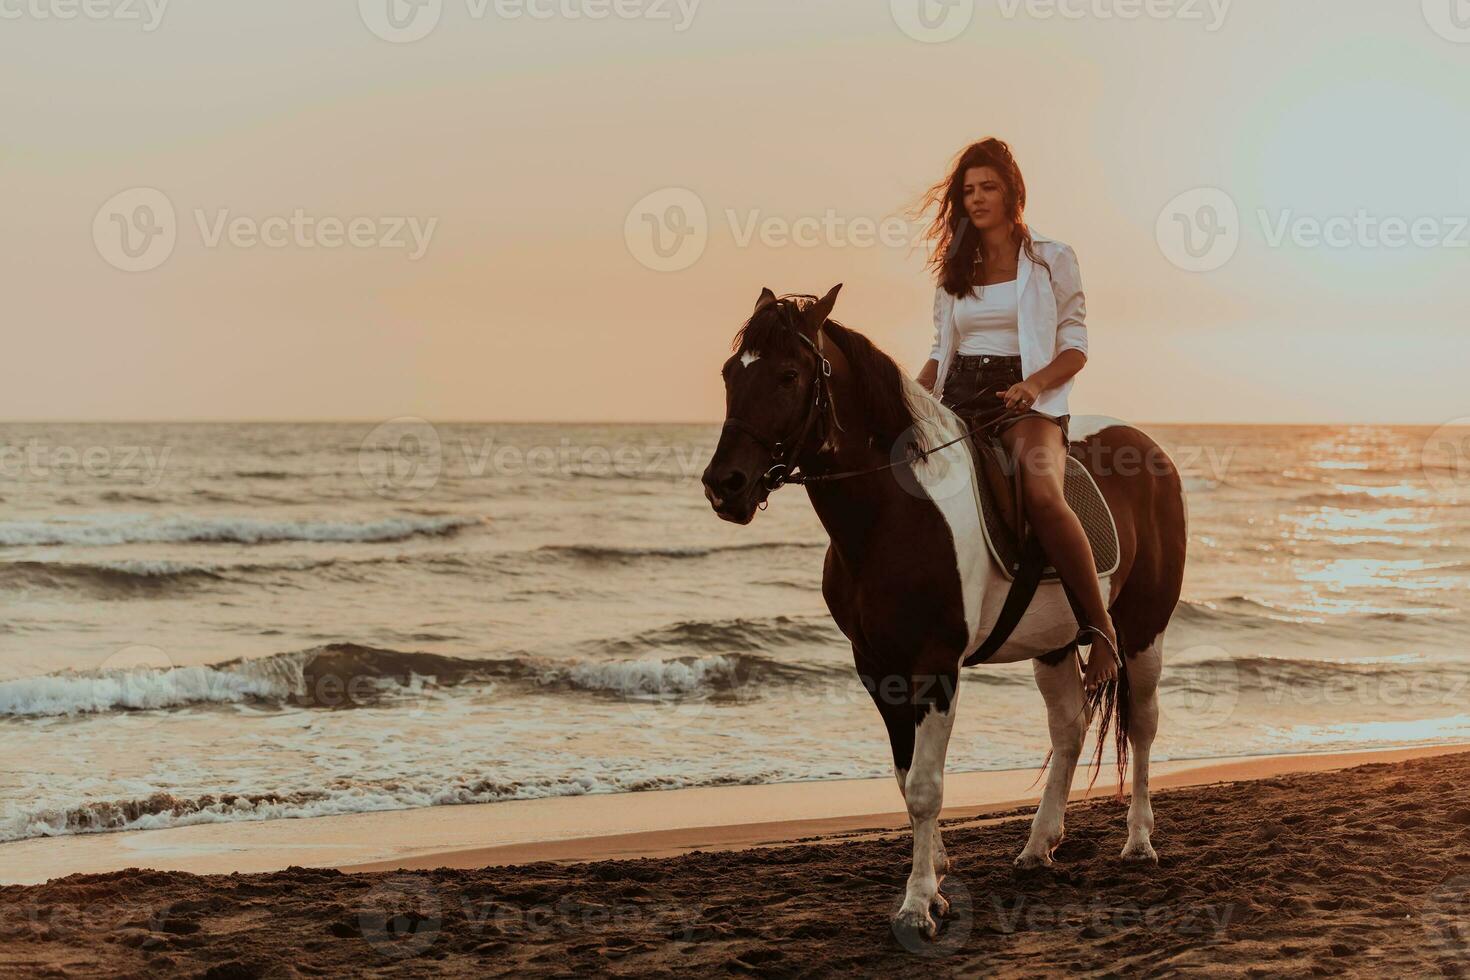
[(564, 209)]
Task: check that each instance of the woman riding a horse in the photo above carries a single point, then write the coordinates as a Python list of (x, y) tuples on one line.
[(889, 470), (1010, 334)]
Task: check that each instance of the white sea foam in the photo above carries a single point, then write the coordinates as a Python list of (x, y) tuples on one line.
[(106, 529), (655, 677), (163, 810), (150, 689)]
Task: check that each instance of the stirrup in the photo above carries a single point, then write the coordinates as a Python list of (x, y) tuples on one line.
[(1084, 630)]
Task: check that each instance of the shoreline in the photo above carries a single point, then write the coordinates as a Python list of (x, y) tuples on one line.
[(595, 827), (1360, 872)]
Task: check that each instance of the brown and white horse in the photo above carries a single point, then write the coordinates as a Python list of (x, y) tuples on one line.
[(908, 577)]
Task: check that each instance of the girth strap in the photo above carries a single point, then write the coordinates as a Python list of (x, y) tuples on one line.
[(1018, 600)]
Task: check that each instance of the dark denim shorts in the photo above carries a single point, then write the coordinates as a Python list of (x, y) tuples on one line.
[(973, 384)]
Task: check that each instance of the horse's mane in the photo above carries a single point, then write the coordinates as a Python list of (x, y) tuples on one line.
[(892, 403)]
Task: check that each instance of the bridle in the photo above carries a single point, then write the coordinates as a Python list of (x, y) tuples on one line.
[(784, 452)]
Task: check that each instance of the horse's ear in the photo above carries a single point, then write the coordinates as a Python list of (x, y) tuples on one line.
[(766, 299), (816, 315)]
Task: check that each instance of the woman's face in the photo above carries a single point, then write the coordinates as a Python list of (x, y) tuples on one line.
[(985, 196)]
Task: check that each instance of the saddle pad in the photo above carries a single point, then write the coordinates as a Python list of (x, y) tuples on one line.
[(1086, 501)]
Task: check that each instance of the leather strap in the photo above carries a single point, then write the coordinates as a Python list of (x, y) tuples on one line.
[(1023, 590), (1018, 600)]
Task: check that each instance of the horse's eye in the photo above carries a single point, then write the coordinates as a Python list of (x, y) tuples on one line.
[(789, 378)]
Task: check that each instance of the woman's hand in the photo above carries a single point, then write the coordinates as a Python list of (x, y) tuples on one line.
[(929, 376), (1023, 394)]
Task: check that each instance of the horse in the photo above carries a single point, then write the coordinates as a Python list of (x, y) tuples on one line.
[(907, 576)]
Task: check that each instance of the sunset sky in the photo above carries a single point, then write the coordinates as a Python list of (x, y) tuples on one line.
[(534, 150)]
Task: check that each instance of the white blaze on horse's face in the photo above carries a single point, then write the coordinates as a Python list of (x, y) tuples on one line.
[(749, 358)]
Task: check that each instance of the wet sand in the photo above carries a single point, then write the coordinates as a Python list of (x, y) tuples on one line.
[(1363, 871)]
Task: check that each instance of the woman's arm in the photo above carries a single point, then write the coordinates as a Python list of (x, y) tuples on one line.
[(1071, 356), (1072, 331), (929, 374)]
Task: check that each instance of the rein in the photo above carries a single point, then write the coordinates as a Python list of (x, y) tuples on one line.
[(782, 470)]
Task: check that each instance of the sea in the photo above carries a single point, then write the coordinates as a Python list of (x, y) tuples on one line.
[(206, 623)]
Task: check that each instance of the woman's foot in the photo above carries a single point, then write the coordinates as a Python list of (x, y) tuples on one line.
[(1102, 657)]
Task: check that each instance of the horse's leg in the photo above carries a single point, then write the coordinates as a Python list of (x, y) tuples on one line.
[(934, 699), (1143, 681), (1067, 718), (891, 695)]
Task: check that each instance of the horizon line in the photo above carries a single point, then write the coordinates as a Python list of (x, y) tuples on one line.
[(379, 420)]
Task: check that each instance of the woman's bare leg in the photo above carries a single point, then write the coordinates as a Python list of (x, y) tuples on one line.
[(1037, 445)]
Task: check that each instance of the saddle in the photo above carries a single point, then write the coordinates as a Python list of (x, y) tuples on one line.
[(1002, 511)]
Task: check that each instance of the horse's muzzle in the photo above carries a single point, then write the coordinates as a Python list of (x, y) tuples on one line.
[(734, 496)]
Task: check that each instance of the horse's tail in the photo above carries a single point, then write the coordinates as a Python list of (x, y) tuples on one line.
[(1114, 704)]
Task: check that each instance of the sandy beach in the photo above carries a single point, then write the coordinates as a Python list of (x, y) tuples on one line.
[(1276, 865)]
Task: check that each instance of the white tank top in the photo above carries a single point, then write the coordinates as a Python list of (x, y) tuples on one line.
[(989, 323)]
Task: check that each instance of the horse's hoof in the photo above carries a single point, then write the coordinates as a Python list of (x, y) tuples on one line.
[(914, 923), (939, 904), (1140, 853), (1031, 862)]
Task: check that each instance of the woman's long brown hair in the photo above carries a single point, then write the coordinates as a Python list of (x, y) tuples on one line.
[(957, 260)]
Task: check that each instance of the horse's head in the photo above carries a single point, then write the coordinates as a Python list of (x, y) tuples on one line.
[(774, 394)]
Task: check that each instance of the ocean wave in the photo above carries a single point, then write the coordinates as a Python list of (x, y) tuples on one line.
[(1300, 679), (348, 675), (105, 580), (771, 634), (1250, 612), (163, 810), (1364, 500), (143, 578), (626, 555), (109, 530), (119, 497), (147, 688), (338, 675)]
